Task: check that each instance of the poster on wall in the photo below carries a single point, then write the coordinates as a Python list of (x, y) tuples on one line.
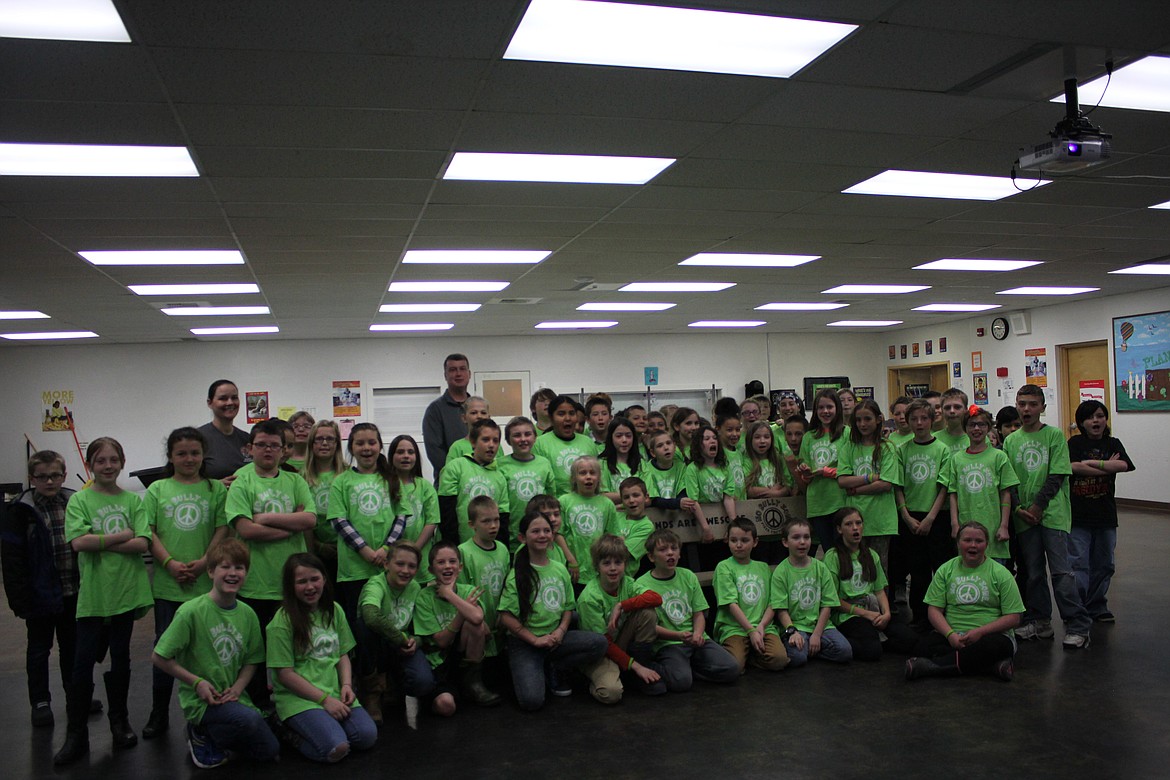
[(863, 393), (347, 398), (976, 361), (979, 382), (957, 369), (1092, 390), (942, 344), (1141, 362), (930, 346), (1036, 366), (893, 352), (914, 349), (57, 416), (256, 403), (903, 351)]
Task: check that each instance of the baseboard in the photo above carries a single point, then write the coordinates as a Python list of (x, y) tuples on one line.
[(1149, 506)]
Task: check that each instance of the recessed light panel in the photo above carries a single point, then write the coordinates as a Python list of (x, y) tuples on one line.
[(399, 326), (1145, 268), (645, 36), (215, 311), (559, 168), (575, 324), (1048, 290), (957, 307), (801, 306), (474, 256), (684, 287), (165, 257), (1143, 85), (194, 289), (240, 331), (23, 315), (89, 160), (864, 323), (1165, 205), (875, 289), (465, 286), (973, 264), (616, 306), (726, 324), (62, 20), (426, 308), (923, 184), (749, 260), (59, 334)]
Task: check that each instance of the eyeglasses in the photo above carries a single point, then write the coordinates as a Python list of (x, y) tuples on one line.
[(56, 475), (302, 426), (325, 440), (977, 424), (268, 446)]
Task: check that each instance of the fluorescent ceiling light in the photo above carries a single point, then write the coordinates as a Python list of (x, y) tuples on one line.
[(957, 307), (625, 306), (801, 306), (575, 324), (749, 260), (1047, 290), (644, 36), (970, 264), (474, 256), (59, 334), (426, 308), (412, 326), (1165, 205), (1145, 268), (194, 289), (63, 20), (1143, 85), (23, 315), (215, 311), (686, 287), (165, 257), (878, 289), (562, 168), (923, 184), (864, 323), (91, 160), (726, 324), (467, 286), (235, 331)]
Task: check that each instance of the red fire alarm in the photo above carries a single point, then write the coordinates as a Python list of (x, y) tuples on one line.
[(979, 332), (1001, 372)]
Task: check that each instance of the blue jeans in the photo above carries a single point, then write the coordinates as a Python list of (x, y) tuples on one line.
[(1037, 544), (164, 615), (834, 647), (709, 661), (321, 735), (527, 662), (240, 729), (1090, 553)]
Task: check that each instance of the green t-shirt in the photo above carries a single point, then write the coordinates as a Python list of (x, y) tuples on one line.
[(898, 439), (880, 510), (461, 448), (971, 598), (420, 502), (111, 582), (766, 477), (252, 494), (824, 495), (486, 569), (663, 483), (185, 517), (213, 643), (976, 481), (747, 585), (363, 500), (682, 597), (594, 605), (610, 482), (465, 478), (924, 469), (708, 484), (855, 589), (432, 615), (324, 532), (955, 443), (803, 592), (297, 463), (526, 479), (635, 532), (327, 643), (1035, 456), (552, 597), (584, 521), (737, 468), (398, 604), (561, 454)]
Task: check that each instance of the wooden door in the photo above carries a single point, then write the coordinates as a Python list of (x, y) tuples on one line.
[(935, 375), (1087, 362)]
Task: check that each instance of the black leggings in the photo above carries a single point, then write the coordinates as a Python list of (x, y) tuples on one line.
[(867, 644), (978, 658)]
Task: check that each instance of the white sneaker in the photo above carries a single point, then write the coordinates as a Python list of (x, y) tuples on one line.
[(1076, 641), (412, 713)]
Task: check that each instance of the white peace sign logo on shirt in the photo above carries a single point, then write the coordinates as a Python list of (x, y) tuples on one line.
[(113, 523), (369, 501), (187, 515), (857, 582), (806, 594), (1032, 459), (586, 521), (676, 608), (751, 591), (323, 644), (967, 593), (552, 595), (227, 648), (493, 579), (974, 481), (478, 486), (824, 456), (525, 486), (862, 468), (321, 497), (920, 472), (400, 615)]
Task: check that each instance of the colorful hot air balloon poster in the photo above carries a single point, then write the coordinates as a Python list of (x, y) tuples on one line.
[(1141, 362)]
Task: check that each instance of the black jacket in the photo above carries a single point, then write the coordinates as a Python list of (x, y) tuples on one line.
[(26, 552)]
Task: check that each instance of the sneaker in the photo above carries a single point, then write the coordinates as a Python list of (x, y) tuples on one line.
[(557, 684), (1044, 629), (42, 715), (1105, 617), (1037, 630), (204, 753), (1005, 670), (1076, 641)]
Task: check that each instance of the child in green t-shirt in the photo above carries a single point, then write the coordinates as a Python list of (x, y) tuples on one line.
[(631, 523), (527, 475), (683, 649), (550, 509), (620, 458), (587, 513), (663, 475), (613, 605), (212, 647), (730, 431), (803, 596), (186, 516), (868, 470), (980, 480), (563, 444), (469, 476), (474, 409), (386, 607), (767, 473), (322, 465), (416, 498), (743, 620), (485, 565), (819, 451), (599, 415), (954, 411), (794, 429), (706, 479), (901, 432)]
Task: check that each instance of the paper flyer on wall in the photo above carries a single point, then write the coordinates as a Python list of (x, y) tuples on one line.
[(347, 398), (1036, 366), (56, 404), (257, 404)]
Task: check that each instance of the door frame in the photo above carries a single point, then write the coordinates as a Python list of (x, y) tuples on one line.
[(1068, 416)]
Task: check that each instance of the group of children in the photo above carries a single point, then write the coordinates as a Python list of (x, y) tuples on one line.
[(288, 602)]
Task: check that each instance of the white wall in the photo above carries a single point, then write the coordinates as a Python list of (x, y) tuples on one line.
[(138, 393)]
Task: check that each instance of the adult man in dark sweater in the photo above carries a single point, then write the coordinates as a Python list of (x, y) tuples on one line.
[(443, 422)]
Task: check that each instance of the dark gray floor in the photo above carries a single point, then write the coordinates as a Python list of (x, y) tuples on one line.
[(1100, 712)]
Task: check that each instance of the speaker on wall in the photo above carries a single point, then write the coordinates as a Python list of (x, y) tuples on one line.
[(1020, 322)]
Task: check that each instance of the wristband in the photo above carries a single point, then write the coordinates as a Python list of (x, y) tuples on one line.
[(195, 684), (901, 506), (852, 608), (168, 560), (948, 636), (321, 701), (1101, 465), (101, 542)]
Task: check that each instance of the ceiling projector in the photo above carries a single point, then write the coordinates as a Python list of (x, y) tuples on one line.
[(1067, 151)]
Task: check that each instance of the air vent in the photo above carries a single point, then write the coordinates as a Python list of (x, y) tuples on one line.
[(597, 286), (516, 301), (186, 304)]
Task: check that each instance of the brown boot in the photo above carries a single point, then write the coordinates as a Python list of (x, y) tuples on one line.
[(473, 684), (373, 687)]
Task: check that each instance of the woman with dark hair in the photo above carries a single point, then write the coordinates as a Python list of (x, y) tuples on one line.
[(226, 444)]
